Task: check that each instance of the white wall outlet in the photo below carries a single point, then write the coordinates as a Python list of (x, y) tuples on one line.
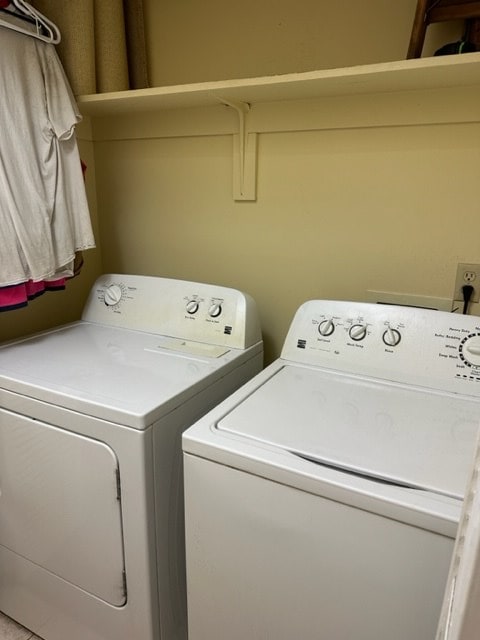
[(467, 274)]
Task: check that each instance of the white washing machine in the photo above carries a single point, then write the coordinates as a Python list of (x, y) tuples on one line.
[(91, 508), (322, 498)]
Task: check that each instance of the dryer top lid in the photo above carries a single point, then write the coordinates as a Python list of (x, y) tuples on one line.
[(128, 377)]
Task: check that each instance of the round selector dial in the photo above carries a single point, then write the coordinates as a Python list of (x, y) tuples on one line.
[(326, 327), (215, 310), (192, 306), (470, 350), (113, 295), (358, 331), (392, 337)]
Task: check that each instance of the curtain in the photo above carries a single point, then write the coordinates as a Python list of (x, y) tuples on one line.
[(103, 43)]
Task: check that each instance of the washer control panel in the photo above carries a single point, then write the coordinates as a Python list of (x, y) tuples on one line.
[(175, 308), (403, 344)]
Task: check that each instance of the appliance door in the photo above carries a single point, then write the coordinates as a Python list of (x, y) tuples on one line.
[(267, 560), (59, 507), (395, 433)]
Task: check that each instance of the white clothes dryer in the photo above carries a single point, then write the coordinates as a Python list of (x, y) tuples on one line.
[(91, 492), (322, 499)]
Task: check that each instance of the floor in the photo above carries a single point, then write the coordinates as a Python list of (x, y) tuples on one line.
[(10, 630)]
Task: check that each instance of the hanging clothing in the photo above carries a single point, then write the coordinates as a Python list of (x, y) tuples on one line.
[(17, 296), (44, 216)]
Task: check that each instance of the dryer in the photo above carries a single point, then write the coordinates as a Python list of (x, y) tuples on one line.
[(322, 499), (91, 494)]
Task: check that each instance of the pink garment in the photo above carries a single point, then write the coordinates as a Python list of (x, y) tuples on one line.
[(18, 295)]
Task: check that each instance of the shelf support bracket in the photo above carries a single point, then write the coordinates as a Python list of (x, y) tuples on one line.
[(244, 155)]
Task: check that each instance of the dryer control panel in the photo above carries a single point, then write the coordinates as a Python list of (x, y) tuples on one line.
[(175, 308), (403, 344)]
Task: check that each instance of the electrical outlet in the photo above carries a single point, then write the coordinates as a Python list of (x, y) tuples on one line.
[(467, 274)]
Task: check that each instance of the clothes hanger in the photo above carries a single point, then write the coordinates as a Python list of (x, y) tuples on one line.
[(45, 29), (41, 31), (40, 18)]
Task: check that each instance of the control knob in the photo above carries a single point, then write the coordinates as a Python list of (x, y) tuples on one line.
[(358, 332), (470, 350), (392, 337), (192, 306), (326, 327), (113, 295), (215, 310)]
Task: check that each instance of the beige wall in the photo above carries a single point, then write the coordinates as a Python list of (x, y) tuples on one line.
[(192, 41)]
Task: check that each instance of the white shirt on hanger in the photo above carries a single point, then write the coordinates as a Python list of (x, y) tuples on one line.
[(44, 216)]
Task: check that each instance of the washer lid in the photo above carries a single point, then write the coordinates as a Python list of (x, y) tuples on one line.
[(399, 434), (124, 376)]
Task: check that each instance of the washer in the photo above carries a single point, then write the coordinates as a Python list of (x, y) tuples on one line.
[(91, 507), (322, 499)]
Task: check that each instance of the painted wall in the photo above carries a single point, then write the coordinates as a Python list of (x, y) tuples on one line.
[(338, 212), (191, 41)]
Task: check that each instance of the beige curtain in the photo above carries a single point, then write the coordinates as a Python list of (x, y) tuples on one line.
[(103, 43)]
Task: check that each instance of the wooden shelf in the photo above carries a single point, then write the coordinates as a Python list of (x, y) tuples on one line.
[(408, 75), (423, 91)]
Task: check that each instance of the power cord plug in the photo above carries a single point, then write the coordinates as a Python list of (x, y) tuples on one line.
[(467, 291)]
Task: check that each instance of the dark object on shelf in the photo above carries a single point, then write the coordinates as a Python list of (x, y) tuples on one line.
[(429, 11), (455, 47)]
